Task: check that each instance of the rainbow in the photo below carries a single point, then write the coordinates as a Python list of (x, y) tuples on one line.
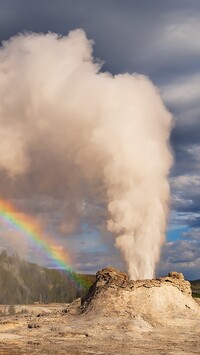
[(31, 230)]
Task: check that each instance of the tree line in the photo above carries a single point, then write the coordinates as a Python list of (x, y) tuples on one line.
[(23, 282)]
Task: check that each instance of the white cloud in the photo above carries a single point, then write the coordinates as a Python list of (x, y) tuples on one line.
[(182, 181), (183, 91), (182, 34), (193, 234)]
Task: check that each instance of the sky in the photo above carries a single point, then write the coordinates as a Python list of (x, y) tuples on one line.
[(156, 38)]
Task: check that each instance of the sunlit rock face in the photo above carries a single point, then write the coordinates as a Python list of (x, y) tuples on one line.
[(158, 301)]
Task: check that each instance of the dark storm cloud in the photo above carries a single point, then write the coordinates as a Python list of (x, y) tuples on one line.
[(186, 200), (184, 135), (132, 35), (182, 256), (185, 161), (183, 96)]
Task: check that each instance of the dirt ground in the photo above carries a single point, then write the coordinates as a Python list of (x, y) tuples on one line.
[(117, 317), (53, 330)]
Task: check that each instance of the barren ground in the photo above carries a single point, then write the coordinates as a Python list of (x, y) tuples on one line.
[(118, 317), (49, 330)]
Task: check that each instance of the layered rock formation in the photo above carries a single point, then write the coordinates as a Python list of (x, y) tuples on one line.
[(158, 301)]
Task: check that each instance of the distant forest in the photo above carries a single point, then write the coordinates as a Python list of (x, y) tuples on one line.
[(22, 282)]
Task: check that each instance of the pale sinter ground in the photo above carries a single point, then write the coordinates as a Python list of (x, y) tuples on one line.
[(118, 317)]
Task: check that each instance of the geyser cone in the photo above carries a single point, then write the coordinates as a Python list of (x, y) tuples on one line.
[(159, 301), (68, 129)]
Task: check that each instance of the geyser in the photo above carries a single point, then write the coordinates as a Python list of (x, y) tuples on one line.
[(64, 121), (166, 301)]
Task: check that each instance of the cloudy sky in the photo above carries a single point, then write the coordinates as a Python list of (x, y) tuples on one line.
[(161, 40)]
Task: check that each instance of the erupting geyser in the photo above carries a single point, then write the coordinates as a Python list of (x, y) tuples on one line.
[(63, 119)]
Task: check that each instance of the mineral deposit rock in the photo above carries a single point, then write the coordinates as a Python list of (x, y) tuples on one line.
[(160, 301)]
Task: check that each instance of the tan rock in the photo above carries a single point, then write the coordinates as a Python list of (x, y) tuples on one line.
[(176, 275), (160, 301)]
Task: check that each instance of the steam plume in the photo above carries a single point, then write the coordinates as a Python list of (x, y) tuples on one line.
[(93, 133)]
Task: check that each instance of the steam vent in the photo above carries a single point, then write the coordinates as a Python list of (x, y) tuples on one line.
[(162, 301)]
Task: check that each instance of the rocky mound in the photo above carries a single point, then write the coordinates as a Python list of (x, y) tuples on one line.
[(149, 317), (159, 301)]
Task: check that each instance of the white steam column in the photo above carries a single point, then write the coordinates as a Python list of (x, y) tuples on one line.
[(110, 131)]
